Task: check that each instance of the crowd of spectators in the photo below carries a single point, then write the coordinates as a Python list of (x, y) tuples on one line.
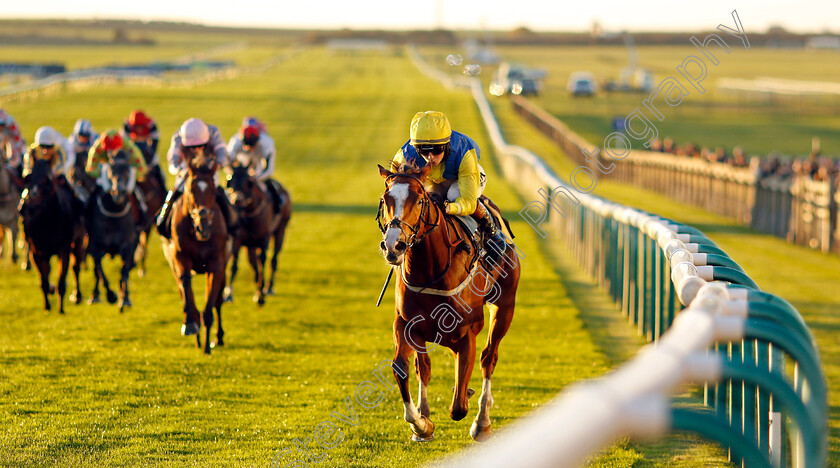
[(814, 166)]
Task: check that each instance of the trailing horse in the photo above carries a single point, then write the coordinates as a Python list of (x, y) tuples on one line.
[(259, 224), (52, 226), (9, 200), (111, 222), (443, 286), (199, 244)]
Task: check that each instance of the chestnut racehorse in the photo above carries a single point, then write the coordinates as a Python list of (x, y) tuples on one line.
[(259, 225), (198, 244), (442, 288)]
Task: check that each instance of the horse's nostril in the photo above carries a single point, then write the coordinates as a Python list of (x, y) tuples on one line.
[(382, 245), (391, 257), (400, 246)]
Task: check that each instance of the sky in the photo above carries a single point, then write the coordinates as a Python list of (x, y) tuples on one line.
[(540, 15)]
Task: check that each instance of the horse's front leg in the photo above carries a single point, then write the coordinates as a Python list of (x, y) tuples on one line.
[(42, 262), (422, 427), (465, 358), (424, 374), (127, 255), (64, 267), (190, 326)]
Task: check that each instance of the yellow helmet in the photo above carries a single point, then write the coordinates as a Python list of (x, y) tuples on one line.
[(430, 128)]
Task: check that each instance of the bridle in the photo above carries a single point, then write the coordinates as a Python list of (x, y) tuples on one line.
[(417, 230)]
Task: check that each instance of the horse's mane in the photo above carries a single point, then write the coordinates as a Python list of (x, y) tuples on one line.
[(41, 169)]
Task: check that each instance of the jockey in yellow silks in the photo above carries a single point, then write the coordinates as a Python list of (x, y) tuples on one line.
[(455, 174)]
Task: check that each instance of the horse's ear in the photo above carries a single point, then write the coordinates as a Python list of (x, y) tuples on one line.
[(384, 172), (424, 172)]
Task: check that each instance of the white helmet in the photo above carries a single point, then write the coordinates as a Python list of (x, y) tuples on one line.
[(47, 136), (194, 132)]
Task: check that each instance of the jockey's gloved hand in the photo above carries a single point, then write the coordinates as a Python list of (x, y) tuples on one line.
[(438, 200)]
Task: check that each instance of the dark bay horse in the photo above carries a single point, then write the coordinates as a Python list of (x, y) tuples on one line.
[(52, 225), (112, 226), (10, 189), (259, 225), (443, 286), (199, 244)]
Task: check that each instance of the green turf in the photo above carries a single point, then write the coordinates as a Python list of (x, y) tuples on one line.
[(99, 388)]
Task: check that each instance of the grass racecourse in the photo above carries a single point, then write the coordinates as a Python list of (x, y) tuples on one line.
[(100, 388)]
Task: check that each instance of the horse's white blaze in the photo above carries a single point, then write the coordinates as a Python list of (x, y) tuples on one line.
[(399, 193), (202, 185)]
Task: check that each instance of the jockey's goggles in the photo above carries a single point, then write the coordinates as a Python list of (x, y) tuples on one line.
[(430, 149), (46, 147)]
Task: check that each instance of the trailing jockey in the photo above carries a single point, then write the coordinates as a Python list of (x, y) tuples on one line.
[(143, 131), (253, 148), (53, 147), (103, 150), (192, 138), (455, 174), (12, 144)]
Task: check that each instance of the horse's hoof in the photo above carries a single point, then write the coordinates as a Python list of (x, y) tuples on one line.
[(219, 342), (141, 273), (25, 266), (94, 300), (423, 436), (188, 329), (125, 303), (259, 299), (480, 433), (207, 351), (270, 292), (112, 297), (76, 298)]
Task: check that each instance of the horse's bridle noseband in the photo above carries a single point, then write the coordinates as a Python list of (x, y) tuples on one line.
[(396, 222)]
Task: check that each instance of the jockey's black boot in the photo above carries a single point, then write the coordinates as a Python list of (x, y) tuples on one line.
[(494, 239), (162, 221), (142, 209), (228, 211), (274, 194)]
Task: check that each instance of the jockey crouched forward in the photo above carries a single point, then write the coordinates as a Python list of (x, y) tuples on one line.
[(254, 149), (143, 131), (194, 137), (12, 144), (52, 147), (455, 171), (102, 151)]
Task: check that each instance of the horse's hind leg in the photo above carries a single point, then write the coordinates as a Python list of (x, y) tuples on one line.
[(94, 295), (220, 332), (500, 318), (76, 296), (256, 256), (278, 244), (14, 231), (215, 281), (424, 373), (422, 427), (140, 253), (109, 293), (234, 266)]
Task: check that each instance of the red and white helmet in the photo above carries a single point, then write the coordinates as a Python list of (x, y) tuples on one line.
[(194, 132)]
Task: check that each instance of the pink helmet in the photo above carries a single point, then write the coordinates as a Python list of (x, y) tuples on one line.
[(194, 132)]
